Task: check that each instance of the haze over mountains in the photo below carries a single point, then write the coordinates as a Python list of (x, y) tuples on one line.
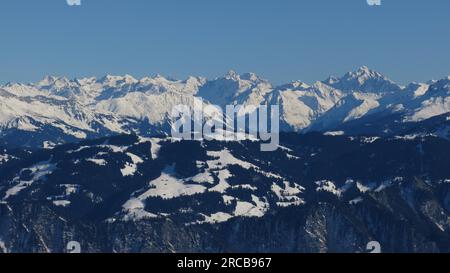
[(58, 110)]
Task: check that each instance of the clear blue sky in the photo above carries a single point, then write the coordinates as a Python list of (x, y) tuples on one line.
[(282, 40)]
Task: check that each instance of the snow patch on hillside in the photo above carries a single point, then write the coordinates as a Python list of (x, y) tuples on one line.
[(37, 172)]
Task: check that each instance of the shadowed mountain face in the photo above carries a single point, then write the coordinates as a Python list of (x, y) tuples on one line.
[(316, 193)]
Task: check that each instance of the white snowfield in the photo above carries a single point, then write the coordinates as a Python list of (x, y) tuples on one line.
[(122, 104), (36, 172), (4, 157), (213, 178)]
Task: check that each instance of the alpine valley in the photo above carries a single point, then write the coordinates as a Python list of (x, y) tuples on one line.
[(360, 159)]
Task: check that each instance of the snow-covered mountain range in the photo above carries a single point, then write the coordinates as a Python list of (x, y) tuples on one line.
[(58, 110), (89, 160)]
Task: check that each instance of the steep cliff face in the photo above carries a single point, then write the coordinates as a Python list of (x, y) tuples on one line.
[(316, 228)]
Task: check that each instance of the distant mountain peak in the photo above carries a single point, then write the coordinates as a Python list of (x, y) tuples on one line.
[(49, 80), (363, 74), (249, 76), (363, 79), (231, 74), (159, 76), (85, 81), (294, 85), (110, 79), (331, 80), (365, 70), (55, 83)]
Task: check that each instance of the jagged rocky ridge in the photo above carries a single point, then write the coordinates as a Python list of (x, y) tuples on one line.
[(316, 193), (58, 110)]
